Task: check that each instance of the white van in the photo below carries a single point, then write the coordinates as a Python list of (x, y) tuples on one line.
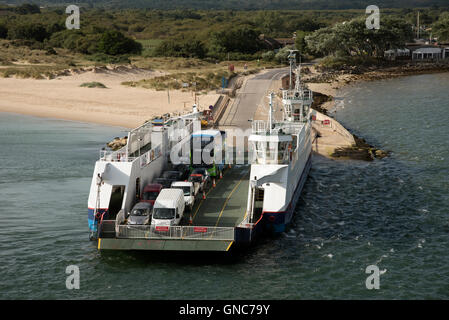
[(190, 191), (168, 208)]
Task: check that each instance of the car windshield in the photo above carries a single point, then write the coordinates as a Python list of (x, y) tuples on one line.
[(163, 213), (199, 171), (196, 178), (185, 189), (139, 212), (150, 195)]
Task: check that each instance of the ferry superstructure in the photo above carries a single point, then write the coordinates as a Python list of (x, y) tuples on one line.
[(120, 176), (281, 159)]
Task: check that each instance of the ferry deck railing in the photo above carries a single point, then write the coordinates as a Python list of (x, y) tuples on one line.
[(305, 95), (175, 232)]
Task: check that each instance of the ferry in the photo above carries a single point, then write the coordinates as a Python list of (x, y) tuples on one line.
[(242, 203)]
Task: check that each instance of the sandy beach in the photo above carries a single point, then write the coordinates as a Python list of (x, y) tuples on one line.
[(117, 105)]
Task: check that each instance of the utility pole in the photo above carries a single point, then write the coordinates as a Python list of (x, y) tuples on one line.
[(418, 27), (168, 93)]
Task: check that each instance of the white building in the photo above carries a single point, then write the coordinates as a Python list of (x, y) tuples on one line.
[(429, 54), (392, 54)]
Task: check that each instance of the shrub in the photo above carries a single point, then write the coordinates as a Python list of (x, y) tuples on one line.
[(30, 31), (27, 8), (93, 84), (268, 56), (3, 31), (115, 43), (104, 58)]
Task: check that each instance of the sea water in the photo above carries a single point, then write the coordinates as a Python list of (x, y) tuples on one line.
[(390, 213)]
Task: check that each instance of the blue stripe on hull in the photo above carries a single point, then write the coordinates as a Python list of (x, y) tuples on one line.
[(92, 222)]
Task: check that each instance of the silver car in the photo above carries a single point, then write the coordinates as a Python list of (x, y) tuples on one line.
[(141, 214)]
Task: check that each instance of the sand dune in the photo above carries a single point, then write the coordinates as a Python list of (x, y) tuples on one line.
[(118, 105)]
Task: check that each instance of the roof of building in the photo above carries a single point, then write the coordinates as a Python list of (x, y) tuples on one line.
[(428, 50)]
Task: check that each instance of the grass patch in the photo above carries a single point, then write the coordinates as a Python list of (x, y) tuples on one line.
[(148, 46), (93, 84), (195, 81)]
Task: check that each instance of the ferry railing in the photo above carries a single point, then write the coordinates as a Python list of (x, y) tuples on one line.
[(259, 126), (175, 232), (118, 155), (305, 95)]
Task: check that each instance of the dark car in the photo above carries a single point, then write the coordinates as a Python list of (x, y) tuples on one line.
[(184, 169), (140, 214), (172, 175), (166, 183), (201, 176)]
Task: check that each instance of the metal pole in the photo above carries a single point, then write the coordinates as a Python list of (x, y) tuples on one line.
[(271, 111)]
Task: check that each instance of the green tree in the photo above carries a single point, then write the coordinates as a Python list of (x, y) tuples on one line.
[(242, 40), (28, 31), (441, 28), (187, 48), (300, 42), (353, 38), (116, 43)]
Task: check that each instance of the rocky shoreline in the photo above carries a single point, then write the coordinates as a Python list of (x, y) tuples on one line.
[(324, 83)]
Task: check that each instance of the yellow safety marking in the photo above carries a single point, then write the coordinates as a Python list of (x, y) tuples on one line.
[(226, 201), (99, 243), (202, 200), (229, 245)]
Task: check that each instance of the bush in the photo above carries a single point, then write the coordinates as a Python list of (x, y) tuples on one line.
[(93, 84), (3, 31), (268, 56), (344, 62), (282, 55), (27, 8), (33, 31), (186, 48), (75, 40), (104, 58), (115, 43)]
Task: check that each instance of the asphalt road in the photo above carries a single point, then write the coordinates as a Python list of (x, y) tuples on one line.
[(249, 97)]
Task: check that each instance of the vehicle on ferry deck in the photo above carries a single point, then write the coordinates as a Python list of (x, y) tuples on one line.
[(200, 176), (166, 183), (190, 190), (140, 214), (168, 208), (150, 192), (172, 175)]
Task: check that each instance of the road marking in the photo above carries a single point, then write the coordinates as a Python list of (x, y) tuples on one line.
[(226, 201), (210, 189)]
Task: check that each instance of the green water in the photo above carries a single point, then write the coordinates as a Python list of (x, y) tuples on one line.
[(391, 213)]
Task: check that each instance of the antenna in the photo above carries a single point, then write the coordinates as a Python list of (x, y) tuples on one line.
[(270, 115)]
